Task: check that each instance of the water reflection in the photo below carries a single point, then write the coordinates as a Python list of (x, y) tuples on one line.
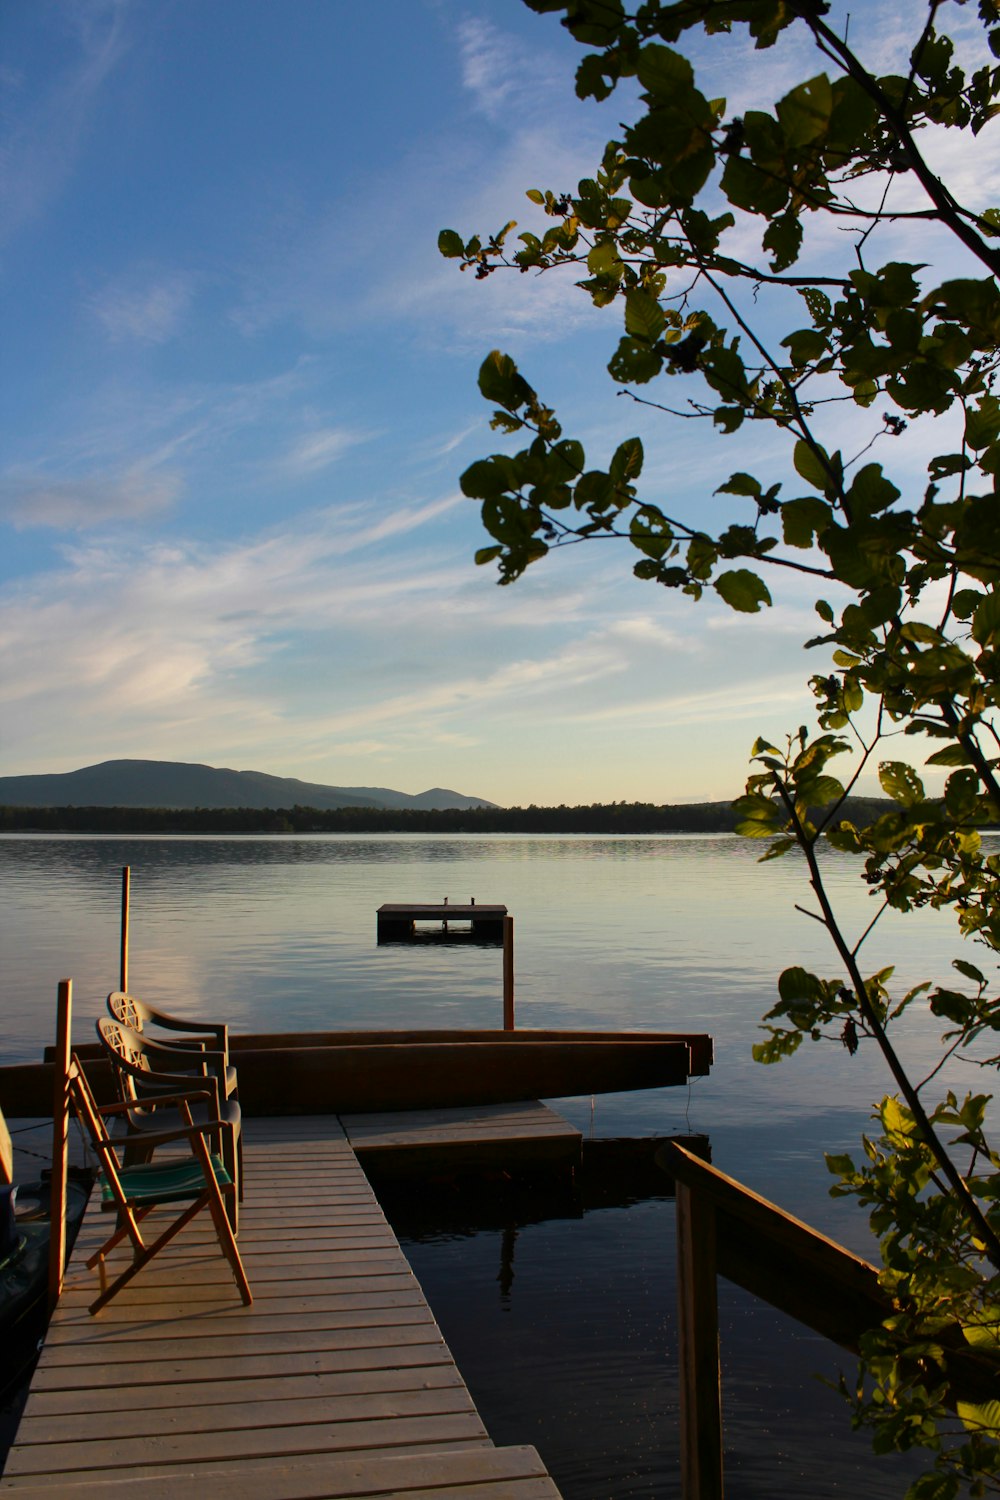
[(564, 1327)]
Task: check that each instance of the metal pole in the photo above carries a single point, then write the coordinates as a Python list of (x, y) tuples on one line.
[(123, 967)]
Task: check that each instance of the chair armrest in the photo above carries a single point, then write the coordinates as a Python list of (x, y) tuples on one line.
[(159, 1099), (217, 1029), (164, 1137), (179, 1054), (154, 1089)]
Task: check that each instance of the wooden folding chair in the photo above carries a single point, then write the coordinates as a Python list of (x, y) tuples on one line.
[(200, 1181)]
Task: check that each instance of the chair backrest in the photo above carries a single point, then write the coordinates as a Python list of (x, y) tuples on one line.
[(129, 1010), (89, 1115), (143, 1069)]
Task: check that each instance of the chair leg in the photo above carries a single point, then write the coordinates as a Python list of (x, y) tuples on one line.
[(142, 1253), (232, 1160), (227, 1241), (220, 1218)]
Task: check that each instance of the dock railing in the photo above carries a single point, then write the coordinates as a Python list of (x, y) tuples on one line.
[(726, 1229)]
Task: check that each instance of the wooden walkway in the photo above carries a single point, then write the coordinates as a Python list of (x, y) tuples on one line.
[(508, 1135), (335, 1383)]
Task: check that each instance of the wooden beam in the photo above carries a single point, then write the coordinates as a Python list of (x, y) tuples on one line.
[(775, 1256), (6, 1152), (123, 966), (508, 973), (60, 1140), (698, 1325), (300, 1072)]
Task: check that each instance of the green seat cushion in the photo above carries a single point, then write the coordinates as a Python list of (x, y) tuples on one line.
[(164, 1182)]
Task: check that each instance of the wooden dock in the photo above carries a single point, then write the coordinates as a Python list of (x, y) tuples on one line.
[(336, 1382), (401, 1142)]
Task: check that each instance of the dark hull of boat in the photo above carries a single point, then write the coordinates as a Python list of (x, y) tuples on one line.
[(353, 1072)]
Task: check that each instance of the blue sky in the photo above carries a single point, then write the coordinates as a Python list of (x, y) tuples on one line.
[(239, 386)]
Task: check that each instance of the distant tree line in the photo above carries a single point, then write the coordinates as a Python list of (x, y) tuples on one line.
[(596, 818)]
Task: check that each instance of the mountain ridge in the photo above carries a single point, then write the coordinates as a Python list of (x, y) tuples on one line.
[(190, 784)]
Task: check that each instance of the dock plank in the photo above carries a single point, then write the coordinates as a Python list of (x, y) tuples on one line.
[(335, 1383), (476, 1473)]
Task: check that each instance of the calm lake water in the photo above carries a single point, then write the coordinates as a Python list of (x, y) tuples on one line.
[(562, 1320)]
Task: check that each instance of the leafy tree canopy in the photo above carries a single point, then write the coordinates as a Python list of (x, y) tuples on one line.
[(744, 255)]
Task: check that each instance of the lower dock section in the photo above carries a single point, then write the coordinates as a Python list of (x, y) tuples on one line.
[(335, 1383), (404, 1142)]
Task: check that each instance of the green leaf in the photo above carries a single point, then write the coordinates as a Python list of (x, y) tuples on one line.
[(805, 112), (627, 462), (644, 317), (742, 590), (982, 423), (566, 461), (591, 81), (895, 1118), (900, 782), (603, 259), (634, 362), (778, 849), (805, 345), (969, 970), (663, 71), (951, 755), (936, 1484), (814, 465), (797, 984), (780, 1044), (871, 492), (822, 790), (451, 244), (981, 1416), (499, 381), (753, 190), (595, 492), (805, 519), (783, 238), (740, 484), (755, 807), (986, 621), (483, 480)]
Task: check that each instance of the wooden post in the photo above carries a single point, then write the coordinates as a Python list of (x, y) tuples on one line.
[(6, 1153), (508, 973), (60, 1140), (698, 1322), (123, 967)]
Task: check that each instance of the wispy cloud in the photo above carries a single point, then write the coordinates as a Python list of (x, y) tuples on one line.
[(525, 129), (44, 127), (150, 621), (92, 500), (146, 306), (499, 69), (317, 450)]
